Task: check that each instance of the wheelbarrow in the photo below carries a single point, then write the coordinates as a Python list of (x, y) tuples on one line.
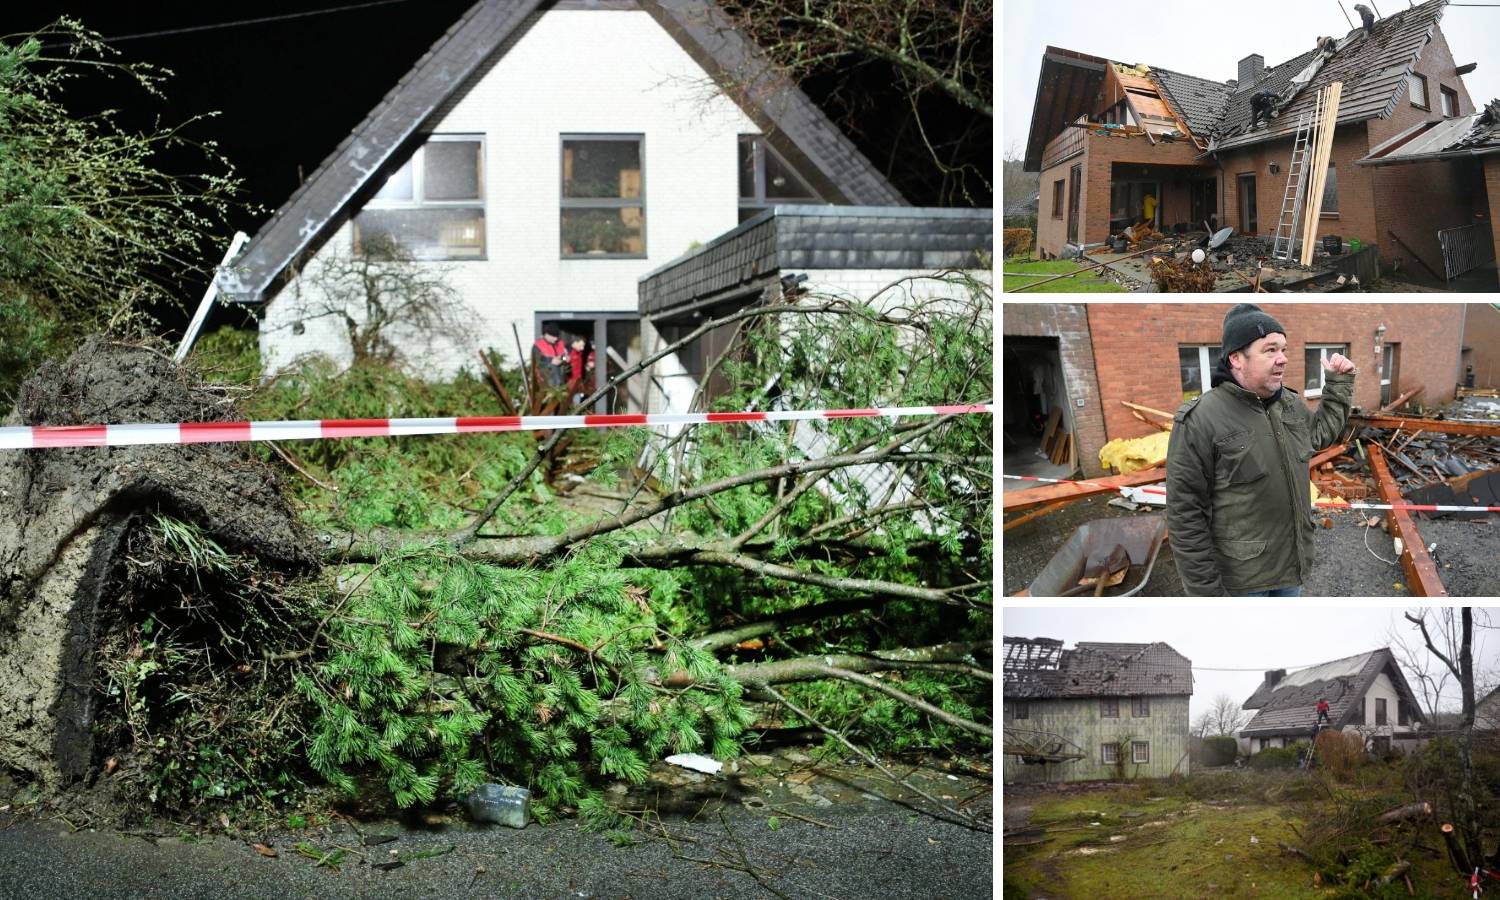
[(1095, 556)]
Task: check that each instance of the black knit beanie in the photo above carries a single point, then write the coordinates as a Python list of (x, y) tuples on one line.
[(1244, 325)]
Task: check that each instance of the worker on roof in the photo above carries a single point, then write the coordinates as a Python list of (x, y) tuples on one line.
[(1238, 506), (1322, 711)]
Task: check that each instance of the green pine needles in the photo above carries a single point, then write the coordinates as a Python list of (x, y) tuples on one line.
[(443, 673)]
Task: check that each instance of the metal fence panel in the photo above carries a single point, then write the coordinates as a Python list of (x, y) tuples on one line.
[(1464, 248)]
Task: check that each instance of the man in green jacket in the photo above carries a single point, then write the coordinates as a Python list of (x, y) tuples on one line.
[(1239, 509)]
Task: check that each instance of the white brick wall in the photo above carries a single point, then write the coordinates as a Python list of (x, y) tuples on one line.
[(574, 71)]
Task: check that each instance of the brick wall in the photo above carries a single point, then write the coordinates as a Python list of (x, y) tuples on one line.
[(1355, 186), (1482, 336), (1135, 349), (1069, 323), (1492, 190), (1438, 65), (1416, 200)]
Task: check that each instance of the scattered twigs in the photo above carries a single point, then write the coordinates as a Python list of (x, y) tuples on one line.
[(305, 474), (808, 819), (956, 816)]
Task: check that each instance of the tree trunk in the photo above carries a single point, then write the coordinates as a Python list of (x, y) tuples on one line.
[(1402, 813)]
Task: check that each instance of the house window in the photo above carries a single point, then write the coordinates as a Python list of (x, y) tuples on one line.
[(1140, 751), (1364, 715), (1057, 198), (1196, 366), (1418, 89), (1331, 192), (1312, 363), (1140, 707), (603, 196), (1387, 373), (1109, 754), (1109, 708), (1403, 713), (1450, 102), (1380, 711), (767, 179), (1021, 710), (433, 206)]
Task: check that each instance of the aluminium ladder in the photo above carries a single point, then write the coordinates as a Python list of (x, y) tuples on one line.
[(1291, 201)]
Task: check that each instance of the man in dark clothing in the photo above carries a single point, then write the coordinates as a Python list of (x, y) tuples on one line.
[(1239, 504), (548, 354), (1323, 711)]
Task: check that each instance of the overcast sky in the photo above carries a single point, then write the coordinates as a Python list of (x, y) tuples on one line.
[(1174, 34), (1257, 639)]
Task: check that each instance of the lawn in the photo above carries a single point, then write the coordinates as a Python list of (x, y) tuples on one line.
[(1087, 283), (1211, 835)]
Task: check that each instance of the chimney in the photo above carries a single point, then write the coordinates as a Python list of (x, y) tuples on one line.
[(1274, 676), (1251, 68)]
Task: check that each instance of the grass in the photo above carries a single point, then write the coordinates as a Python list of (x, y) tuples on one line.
[(1087, 283), (1178, 846)]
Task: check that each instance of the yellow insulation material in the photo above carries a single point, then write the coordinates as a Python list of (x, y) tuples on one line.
[(1126, 456)]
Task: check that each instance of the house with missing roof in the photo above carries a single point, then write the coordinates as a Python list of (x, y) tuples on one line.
[(1367, 695), (1414, 168), (548, 155), (1487, 712), (1096, 712)]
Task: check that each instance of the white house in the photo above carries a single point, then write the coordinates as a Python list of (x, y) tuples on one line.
[(1366, 693), (547, 156)]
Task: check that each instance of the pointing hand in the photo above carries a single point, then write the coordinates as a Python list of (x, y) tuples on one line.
[(1339, 364)]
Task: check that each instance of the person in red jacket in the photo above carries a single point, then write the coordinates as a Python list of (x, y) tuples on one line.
[(548, 354), (1323, 711), (581, 362)]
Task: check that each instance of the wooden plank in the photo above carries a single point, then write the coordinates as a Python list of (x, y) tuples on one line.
[(1014, 501), (1050, 431), (1146, 409), (1475, 428), (1328, 119), (1396, 403), (1421, 573)]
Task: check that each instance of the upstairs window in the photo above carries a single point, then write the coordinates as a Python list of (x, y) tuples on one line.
[(766, 179), (1109, 707), (1450, 102), (1380, 718), (1140, 707), (1417, 87), (433, 206), (1057, 199), (603, 196)]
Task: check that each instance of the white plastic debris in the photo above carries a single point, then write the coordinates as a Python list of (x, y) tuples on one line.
[(697, 762), (1254, 839)]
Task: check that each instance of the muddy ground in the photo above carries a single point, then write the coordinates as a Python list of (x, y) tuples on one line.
[(1467, 554), (783, 824)]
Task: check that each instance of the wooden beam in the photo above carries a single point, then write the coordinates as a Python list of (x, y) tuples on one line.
[(1421, 573), (1328, 119), (1146, 409), (1479, 429), (1325, 455), (1396, 403), (1015, 501)]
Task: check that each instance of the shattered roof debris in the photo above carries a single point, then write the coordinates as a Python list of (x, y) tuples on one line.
[(1288, 704), (1095, 669)]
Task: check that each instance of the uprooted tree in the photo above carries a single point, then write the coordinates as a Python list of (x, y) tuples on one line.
[(746, 576)]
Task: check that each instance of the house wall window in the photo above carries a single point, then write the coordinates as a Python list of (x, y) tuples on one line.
[(603, 196), (1331, 192), (1312, 362), (1450, 102), (767, 179), (1109, 708), (433, 206), (1403, 713), (1380, 711), (1057, 198), (1109, 754), (1364, 714), (1196, 366), (1140, 707), (1387, 373), (1022, 711), (1140, 751), (1417, 87)]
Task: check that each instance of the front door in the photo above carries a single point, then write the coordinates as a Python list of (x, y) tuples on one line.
[(1075, 187), (1248, 224), (1203, 201)]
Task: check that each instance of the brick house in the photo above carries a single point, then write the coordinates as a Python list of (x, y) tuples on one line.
[(548, 155), (1105, 134), (1481, 351), (1367, 695), (1086, 357)]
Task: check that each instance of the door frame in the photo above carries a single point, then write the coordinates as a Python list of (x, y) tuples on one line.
[(1075, 188), (1249, 213)]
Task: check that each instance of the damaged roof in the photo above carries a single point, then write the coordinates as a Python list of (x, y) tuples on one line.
[(1198, 101), (1374, 69), (1093, 669), (1472, 135), (790, 121), (1289, 703)]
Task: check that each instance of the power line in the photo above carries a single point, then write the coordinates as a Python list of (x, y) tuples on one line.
[(1288, 668), (263, 19)]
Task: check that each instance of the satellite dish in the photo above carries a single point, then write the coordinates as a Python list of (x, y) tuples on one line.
[(1219, 238)]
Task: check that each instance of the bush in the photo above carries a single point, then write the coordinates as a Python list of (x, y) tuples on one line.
[(1275, 758), (1016, 241), (1220, 750), (1339, 752)]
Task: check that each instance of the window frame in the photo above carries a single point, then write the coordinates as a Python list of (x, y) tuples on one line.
[(1140, 752), (564, 203), (1205, 365), (759, 201), (1387, 364), (1021, 710), (417, 162), (1140, 707), (1381, 716), (1109, 753), (1449, 99), (1059, 197), (1330, 185), (1109, 707), (1426, 92), (1322, 375)]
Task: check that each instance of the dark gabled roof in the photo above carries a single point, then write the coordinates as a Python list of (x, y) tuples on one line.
[(1198, 101), (1105, 670), (1290, 704), (1373, 69), (792, 124), (1067, 88)]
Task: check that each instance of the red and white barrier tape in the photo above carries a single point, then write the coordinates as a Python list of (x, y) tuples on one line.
[(1326, 504), (31, 437)]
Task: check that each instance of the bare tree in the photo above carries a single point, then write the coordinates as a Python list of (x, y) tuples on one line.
[(1424, 672), (1226, 716)]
